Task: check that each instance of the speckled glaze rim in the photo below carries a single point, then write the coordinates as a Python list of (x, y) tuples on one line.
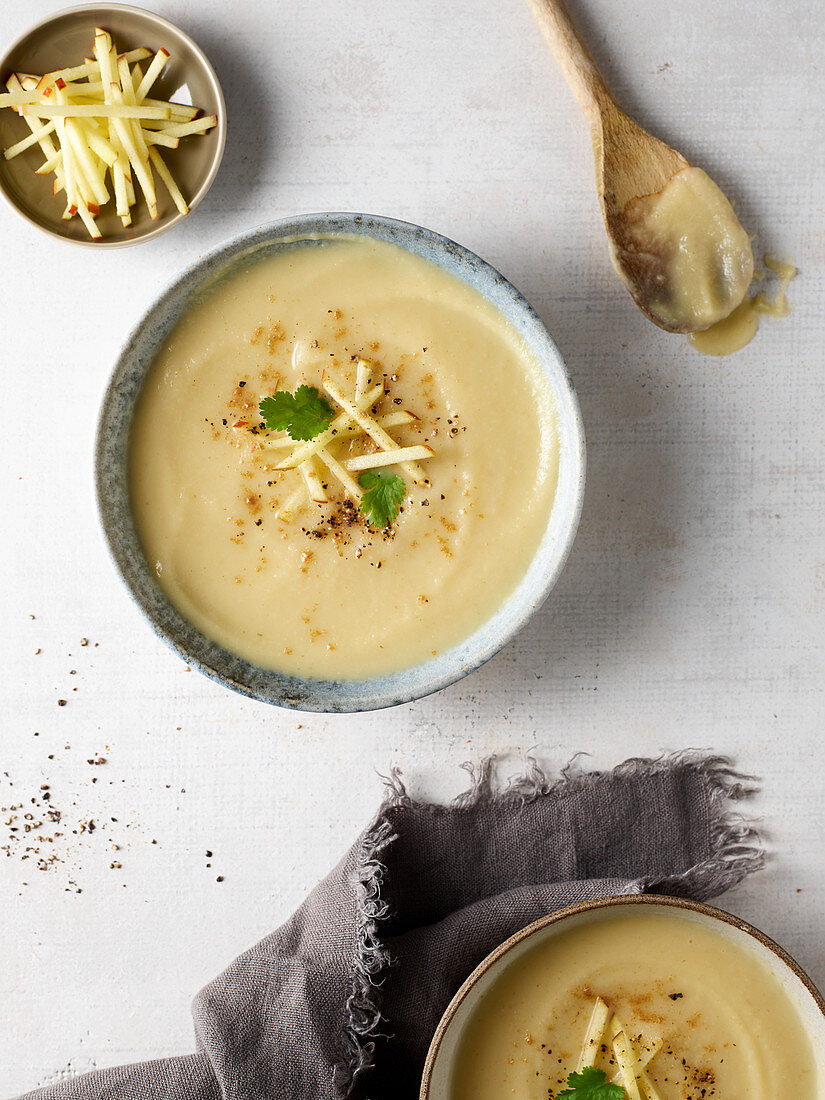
[(99, 11), (654, 900), (309, 694)]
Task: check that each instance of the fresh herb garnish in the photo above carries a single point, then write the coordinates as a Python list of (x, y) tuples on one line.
[(382, 499), (591, 1084), (303, 414)]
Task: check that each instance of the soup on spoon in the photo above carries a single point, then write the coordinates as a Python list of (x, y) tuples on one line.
[(683, 253)]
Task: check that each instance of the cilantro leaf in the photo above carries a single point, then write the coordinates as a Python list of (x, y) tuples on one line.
[(591, 1084), (303, 414), (383, 496)]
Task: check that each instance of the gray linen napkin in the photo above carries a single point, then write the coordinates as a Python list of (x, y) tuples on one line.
[(343, 999)]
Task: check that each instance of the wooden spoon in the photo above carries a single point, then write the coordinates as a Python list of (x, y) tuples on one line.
[(630, 165)]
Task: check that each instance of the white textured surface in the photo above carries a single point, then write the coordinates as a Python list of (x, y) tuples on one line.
[(692, 611)]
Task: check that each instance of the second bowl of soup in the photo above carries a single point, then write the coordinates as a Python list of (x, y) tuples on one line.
[(632, 998)]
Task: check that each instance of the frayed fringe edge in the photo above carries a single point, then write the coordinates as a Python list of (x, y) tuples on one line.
[(735, 853), (362, 1014), (736, 849), (485, 787)]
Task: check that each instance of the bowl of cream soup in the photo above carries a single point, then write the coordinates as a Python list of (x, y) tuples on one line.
[(662, 998), (340, 463)]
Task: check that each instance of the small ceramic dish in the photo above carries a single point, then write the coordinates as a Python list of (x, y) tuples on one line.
[(137, 356), (64, 39), (438, 1078)]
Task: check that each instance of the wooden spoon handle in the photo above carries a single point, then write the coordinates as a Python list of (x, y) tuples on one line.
[(573, 57)]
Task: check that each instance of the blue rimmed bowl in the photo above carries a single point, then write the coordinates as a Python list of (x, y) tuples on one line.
[(112, 483)]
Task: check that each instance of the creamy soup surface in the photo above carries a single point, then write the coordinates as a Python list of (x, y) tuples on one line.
[(728, 1029), (323, 593), (702, 258)]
